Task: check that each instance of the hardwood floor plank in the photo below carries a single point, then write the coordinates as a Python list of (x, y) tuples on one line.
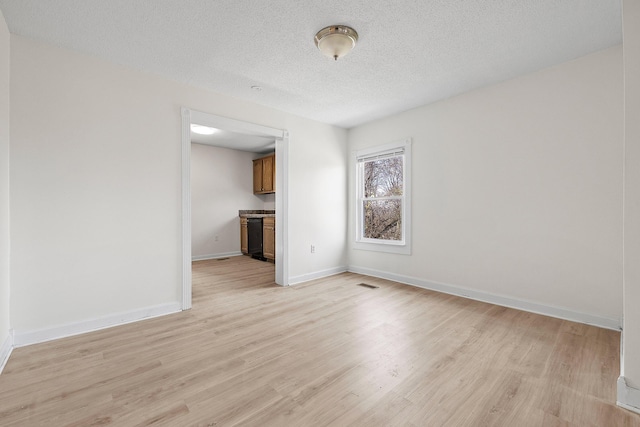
[(323, 353)]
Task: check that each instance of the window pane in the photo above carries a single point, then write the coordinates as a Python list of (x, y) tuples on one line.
[(382, 219), (383, 178)]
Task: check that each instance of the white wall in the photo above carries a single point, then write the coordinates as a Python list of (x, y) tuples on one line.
[(629, 393), (517, 190), (318, 200), (4, 190), (95, 185), (268, 201), (221, 184)]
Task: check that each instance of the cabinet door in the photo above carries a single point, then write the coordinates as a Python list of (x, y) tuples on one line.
[(269, 238), (244, 236), (257, 176), (268, 169)]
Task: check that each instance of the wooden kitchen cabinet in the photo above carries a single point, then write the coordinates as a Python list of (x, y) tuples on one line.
[(244, 236), (264, 175), (269, 238)]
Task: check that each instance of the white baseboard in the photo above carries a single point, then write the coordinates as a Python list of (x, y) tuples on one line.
[(628, 397), (316, 275), (530, 306), (5, 350), (215, 256), (23, 338)]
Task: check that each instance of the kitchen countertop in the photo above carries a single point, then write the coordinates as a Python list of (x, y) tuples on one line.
[(256, 213)]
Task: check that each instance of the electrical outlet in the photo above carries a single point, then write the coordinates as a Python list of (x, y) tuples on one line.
[(313, 249)]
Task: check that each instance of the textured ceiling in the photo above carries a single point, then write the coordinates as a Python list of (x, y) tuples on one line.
[(410, 52)]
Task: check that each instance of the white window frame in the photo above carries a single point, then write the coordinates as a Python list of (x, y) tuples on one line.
[(392, 246)]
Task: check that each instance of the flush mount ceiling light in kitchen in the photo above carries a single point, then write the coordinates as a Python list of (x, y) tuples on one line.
[(202, 130), (336, 41)]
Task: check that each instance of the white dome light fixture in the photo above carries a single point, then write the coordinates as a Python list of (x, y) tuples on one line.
[(335, 41), (202, 130)]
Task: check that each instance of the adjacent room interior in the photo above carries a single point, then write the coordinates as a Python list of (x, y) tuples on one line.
[(225, 181)]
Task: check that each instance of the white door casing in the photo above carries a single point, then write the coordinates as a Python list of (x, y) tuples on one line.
[(282, 158)]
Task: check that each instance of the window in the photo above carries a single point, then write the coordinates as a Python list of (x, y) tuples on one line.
[(383, 208)]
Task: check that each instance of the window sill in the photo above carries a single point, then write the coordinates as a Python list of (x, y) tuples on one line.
[(383, 247)]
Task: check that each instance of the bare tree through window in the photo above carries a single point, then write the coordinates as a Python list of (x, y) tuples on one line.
[(382, 198)]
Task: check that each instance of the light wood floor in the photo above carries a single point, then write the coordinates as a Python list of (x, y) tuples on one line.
[(328, 352)]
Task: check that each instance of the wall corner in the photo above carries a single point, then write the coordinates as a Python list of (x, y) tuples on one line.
[(5, 350), (628, 397)]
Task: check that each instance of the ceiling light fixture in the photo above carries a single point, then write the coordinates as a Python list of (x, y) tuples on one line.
[(336, 41), (202, 130)]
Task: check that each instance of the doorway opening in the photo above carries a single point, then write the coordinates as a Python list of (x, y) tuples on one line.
[(253, 132)]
